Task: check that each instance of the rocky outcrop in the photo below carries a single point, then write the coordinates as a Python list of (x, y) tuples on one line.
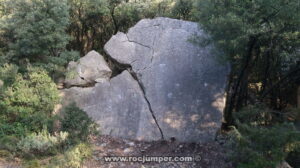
[(175, 88), (89, 70), (118, 106), (183, 82)]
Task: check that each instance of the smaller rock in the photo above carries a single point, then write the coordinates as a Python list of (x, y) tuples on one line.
[(127, 150), (131, 144), (283, 164), (89, 70), (103, 145)]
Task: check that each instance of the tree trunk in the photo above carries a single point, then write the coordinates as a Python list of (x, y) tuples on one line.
[(238, 88), (298, 97)]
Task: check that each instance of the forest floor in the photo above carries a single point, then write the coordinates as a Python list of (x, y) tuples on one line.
[(209, 155)]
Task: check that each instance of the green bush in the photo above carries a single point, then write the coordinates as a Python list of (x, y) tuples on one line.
[(77, 123), (55, 66), (255, 115), (42, 142), (8, 74), (29, 101), (183, 9), (36, 29), (31, 164), (5, 154), (9, 143), (260, 141), (72, 158)]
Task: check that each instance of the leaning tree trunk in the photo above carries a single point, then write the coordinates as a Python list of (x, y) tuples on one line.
[(236, 92)]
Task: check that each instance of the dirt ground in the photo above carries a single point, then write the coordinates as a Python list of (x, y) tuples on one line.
[(209, 155)]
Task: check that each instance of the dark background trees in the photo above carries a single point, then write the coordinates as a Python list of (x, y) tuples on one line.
[(260, 39)]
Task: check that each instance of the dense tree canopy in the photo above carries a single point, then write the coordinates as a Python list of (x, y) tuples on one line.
[(261, 40), (35, 29)]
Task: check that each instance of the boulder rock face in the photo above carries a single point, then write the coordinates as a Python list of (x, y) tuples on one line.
[(175, 88), (88, 70), (118, 106), (183, 82)]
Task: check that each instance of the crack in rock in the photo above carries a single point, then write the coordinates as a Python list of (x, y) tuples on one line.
[(128, 67), (150, 47), (131, 41), (133, 74)]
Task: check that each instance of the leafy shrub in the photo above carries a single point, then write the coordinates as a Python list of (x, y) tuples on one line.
[(183, 9), (8, 74), (72, 158), (15, 128), (55, 66), (5, 154), (255, 115), (9, 143), (45, 88), (78, 154), (29, 101), (77, 123), (36, 29), (31, 164), (258, 143), (3, 58), (40, 143)]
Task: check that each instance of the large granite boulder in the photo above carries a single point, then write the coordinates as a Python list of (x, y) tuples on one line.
[(118, 106), (175, 88), (183, 82), (89, 70)]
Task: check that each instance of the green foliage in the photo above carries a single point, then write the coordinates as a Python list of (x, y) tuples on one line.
[(72, 158), (5, 154), (90, 24), (71, 72), (31, 164), (232, 23), (261, 142), (93, 22), (55, 66), (183, 9), (261, 39), (4, 59), (256, 115), (9, 143), (38, 28), (32, 95), (28, 102), (41, 142), (26, 120), (77, 123), (8, 74)]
